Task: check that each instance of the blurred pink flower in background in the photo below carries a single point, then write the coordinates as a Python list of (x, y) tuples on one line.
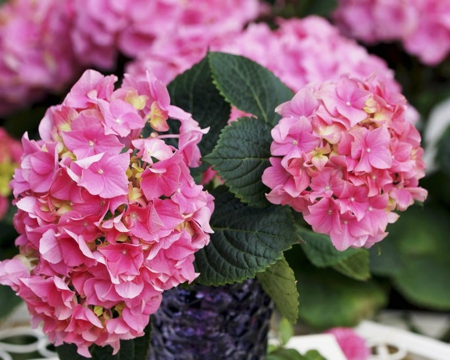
[(103, 28), (298, 52), (423, 26), (353, 346), (36, 52)]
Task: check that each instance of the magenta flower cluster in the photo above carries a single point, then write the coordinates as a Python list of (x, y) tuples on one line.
[(107, 219), (36, 54), (422, 26), (300, 45), (345, 156), (46, 44)]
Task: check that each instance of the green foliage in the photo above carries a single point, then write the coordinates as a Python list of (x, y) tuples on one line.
[(292, 354), (284, 354), (355, 266), (248, 86), (194, 92), (246, 240), (415, 256), (443, 153), (302, 8), (329, 299), (241, 156), (320, 251), (279, 282), (136, 349), (285, 330), (8, 300)]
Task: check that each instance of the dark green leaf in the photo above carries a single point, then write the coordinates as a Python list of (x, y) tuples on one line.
[(314, 355), (385, 259), (443, 152), (241, 156), (355, 266), (285, 354), (8, 300), (142, 344), (194, 92), (68, 352), (330, 299), (279, 282), (319, 249), (418, 241), (249, 86), (246, 240), (425, 281)]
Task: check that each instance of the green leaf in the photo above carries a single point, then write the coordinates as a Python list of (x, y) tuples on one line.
[(246, 240), (194, 92), (286, 330), (319, 249), (142, 344), (385, 258), (249, 86), (330, 299), (314, 355), (443, 151), (241, 156), (279, 282), (68, 352), (425, 281), (420, 239), (285, 354), (355, 266), (8, 300)]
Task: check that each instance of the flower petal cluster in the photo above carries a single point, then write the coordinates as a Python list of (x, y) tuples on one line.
[(107, 219), (10, 154), (345, 156), (422, 26), (46, 44), (102, 28), (36, 55), (299, 45)]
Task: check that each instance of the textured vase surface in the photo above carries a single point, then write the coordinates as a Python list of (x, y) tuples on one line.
[(212, 323)]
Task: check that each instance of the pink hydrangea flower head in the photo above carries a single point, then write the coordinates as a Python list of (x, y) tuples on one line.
[(422, 26), (298, 43), (103, 28), (348, 185), (10, 154), (352, 345), (34, 58), (107, 219)]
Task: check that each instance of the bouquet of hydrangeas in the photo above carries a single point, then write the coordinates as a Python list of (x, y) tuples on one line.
[(109, 215), (208, 162)]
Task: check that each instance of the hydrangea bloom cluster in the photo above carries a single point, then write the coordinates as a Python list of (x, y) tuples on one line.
[(10, 153), (35, 57), (46, 44), (422, 26), (346, 157), (107, 219), (101, 28), (299, 45)]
